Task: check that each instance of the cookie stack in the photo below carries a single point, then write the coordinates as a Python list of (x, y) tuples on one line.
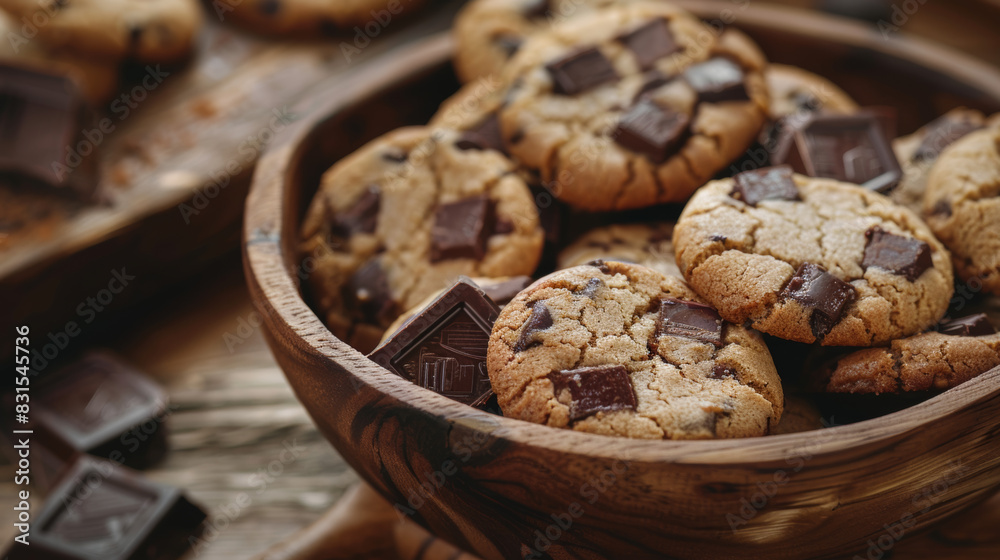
[(802, 233)]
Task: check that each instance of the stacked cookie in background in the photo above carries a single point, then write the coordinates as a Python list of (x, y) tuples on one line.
[(581, 131)]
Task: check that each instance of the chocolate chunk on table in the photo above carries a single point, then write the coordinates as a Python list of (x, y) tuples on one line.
[(689, 319), (651, 130), (580, 71), (972, 325), (462, 228), (769, 183), (443, 347), (848, 148), (42, 121), (826, 295), (103, 407), (589, 390), (105, 511), (650, 42), (717, 80), (900, 255)]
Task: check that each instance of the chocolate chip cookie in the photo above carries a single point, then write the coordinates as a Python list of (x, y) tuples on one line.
[(959, 351), (143, 30), (619, 349), (917, 152), (403, 217), (96, 79), (809, 260), (962, 205), (646, 244), (316, 17), (632, 105), (794, 90)]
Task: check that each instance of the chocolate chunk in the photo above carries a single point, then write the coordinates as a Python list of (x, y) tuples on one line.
[(395, 155), (104, 510), (42, 119), (269, 7), (590, 290), (368, 297), (689, 319), (601, 265), (848, 148), (900, 255), (535, 8), (941, 133), (539, 320), (651, 130), (361, 217), (461, 229), (502, 292), (443, 347), (580, 71), (826, 295), (652, 81), (973, 325), (484, 135), (509, 44), (769, 183), (650, 42), (941, 208), (589, 390), (720, 371), (717, 80), (101, 406)]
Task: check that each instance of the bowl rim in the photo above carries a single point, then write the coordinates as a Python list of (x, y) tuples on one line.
[(277, 295)]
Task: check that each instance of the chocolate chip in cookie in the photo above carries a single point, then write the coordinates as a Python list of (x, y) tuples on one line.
[(652, 130), (359, 218), (900, 255), (589, 390), (689, 319), (825, 295), (539, 320), (650, 42), (580, 71), (367, 294), (973, 325), (461, 229), (769, 183), (717, 80)]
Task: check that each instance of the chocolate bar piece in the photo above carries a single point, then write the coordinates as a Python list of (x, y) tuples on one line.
[(443, 347), (848, 148), (105, 511), (462, 228), (689, 319), (589, 390), (900, 255), (103, 407), (42, 123), (972, 325), (580, 71)]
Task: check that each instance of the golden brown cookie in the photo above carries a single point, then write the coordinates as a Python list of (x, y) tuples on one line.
[(646, 244), (619, 349)]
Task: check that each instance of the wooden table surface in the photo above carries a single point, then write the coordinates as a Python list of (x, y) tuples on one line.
[(233, 413)]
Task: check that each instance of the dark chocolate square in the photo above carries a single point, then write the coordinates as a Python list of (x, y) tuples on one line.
[(769, 183), (579, 71), (827, 296), (650, 42), (589, 390), (652, 130), (689, 319), (900, 255), (717, 80), (462, 228)]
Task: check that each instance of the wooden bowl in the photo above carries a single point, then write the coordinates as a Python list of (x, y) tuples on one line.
[(504, 488)]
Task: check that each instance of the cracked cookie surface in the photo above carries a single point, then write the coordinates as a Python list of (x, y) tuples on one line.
[(928, 361), (962, 205), (403, 217), (809, 259), (633, 105), (619, 349), (647, 244), (144, 30)]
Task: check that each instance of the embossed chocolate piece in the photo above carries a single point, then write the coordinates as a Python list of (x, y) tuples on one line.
[(941, 133), (484, 135), (849, 148), (360, 217), (443, 348), (769, 183), (972, 325), (461, 229), (717, 80), (107, 511), (100, 405), (580, 71), (589, 390), (368, 297), (900, 255), (650, 42), (826, 295), (651, 130), (689, 319), (539, 320)]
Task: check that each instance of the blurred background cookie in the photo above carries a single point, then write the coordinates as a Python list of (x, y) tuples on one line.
[(312, 17)]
